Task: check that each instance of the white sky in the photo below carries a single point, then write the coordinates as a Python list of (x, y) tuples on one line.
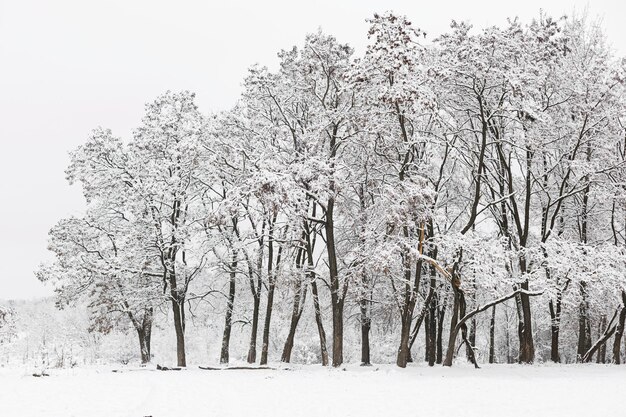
[(69, 66)]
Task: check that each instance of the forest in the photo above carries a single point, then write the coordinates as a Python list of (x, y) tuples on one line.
[(426, 200)]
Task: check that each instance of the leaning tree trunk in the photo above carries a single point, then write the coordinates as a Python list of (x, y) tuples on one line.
[(619, 332), (228, 319), (298, 307), (601, 341)]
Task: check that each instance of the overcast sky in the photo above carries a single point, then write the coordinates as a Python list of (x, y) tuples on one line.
[(69, 66)]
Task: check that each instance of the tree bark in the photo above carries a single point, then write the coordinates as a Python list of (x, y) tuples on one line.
[(460, 323), (228, 318), (440, 319), (365, 331), (492, 336), (270, 291), (336, 292), (584, 327), (619, 332), (310, 245), (601, 341), (144, 333), (296, 312), (601, 356), (255, 326), (431, 331)]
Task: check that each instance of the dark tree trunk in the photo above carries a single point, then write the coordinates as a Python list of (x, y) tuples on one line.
[(336, 291), (602, 340), (270, 291), (319, 322), (584, 327), (403, 350), (601, 356), (255, 327), (619, 332), (492, 336), (527, 346), (406, 317), (310, 245), (365, 331), (178, 308), (427, 343), (440, 318), (431, 330), (144, 347), (469, 349), (228, 319), (555, 327), (296, 312), (144, 333), (453, 322)]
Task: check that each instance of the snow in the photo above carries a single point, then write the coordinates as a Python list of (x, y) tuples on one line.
[(569, 390)]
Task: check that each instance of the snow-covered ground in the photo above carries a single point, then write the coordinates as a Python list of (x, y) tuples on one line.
[(499, 390)]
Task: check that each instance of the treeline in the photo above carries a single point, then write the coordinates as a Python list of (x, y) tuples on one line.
[(411, 188)]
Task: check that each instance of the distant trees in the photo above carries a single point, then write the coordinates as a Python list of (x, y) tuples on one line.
[(418, 185), (7, 324)]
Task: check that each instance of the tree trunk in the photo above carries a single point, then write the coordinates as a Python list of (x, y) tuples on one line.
[(319, 322), (555, 328), (178, 308), (492, 336), (601, 356), (336, 292), (469, 349), (310, 244), (431, 330), (255, 326), (527, 346), (224, 355), (427, 343), (266, 327), (270, 291), (453, 322), (619, 332), (296, 313), (403, 349), (584, 327), (365, 331), (440, 318), (601, 341)]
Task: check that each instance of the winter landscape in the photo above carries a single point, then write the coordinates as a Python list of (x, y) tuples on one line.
[(423, 218)]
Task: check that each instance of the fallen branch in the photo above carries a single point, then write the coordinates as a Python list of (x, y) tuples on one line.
[(166, 368), (237, 368)]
